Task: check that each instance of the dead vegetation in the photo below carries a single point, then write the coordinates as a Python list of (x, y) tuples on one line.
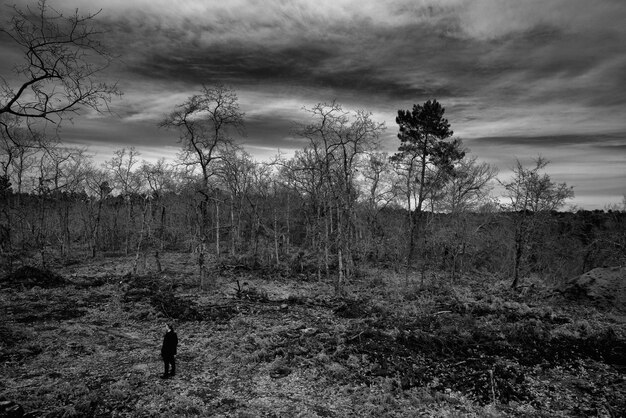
[(28, 277), (256, 347)]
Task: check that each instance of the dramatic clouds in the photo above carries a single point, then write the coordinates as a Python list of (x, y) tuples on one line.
[(518, 78)]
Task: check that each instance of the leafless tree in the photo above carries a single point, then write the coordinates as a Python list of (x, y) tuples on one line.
[(531, 194), (16, 149), (156, 177), (469, 187), (127, 182), (58, 75), (62, 58), (461, 197), (204, 123), (98, 182), (380, 183), (236, 172), (61, 172), (338, 140)]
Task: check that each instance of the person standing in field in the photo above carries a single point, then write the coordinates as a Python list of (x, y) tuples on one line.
[(168, 351)]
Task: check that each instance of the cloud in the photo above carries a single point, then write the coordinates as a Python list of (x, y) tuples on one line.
[(495, 19), (505, 52), (271, 131), (498, 54), (562, 141), (516, 77), (435, 54), (599, 153)]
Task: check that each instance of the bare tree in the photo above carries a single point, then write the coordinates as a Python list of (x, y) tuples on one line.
[(379, 180), (304, 175), (60, 174), (469, 187), (63, 56), (204, 123), (531, 194), (158, 178), (465, 192), (18, 147), (98, 187), (127, 182), (338, 139), (58, 75), (236, 171)]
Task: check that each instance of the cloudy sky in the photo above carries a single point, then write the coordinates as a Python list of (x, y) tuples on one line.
[(518, 78)]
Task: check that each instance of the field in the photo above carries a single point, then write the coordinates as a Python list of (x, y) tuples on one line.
[(260, 343)]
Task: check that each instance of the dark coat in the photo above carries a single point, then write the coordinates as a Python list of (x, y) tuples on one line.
[(170, 342)]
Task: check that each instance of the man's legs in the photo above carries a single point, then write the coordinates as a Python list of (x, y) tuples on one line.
[(167, 360), (166, 366)]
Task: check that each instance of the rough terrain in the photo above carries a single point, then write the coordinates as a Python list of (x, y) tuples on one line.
[(85, 342)]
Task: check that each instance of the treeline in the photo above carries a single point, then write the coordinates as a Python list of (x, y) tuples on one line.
[(337, 206), (274, 227)]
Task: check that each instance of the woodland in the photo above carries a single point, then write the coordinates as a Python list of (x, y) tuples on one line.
[(340, 281)]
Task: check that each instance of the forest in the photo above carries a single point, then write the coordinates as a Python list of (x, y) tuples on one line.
[(336, 207), (338, 281)]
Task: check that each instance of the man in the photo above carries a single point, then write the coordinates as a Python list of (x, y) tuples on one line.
[(168, 350)]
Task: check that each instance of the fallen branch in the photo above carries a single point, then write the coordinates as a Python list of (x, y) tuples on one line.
[(355, 336)]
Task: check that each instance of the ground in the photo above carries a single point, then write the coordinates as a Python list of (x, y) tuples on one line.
[(86, 341)]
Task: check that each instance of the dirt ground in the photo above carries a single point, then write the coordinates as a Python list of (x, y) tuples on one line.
[(86, 343)]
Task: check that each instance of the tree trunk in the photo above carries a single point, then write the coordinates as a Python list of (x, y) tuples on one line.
[(339, 283), (41, 239), (162, 228), (217, 229), (327, 245), (140, 238), (67, 239), (128, 219), (6, 231), (233, 228), (157, 261), (287, 216), (96, 229), (63, 211), (410, 250), (201, 266), (340, 253), (316, 242), (256, 231), (517, 261), (276, 237), (519, 250)]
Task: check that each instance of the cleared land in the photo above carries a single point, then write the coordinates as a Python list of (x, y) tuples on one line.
[(86, 343)]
